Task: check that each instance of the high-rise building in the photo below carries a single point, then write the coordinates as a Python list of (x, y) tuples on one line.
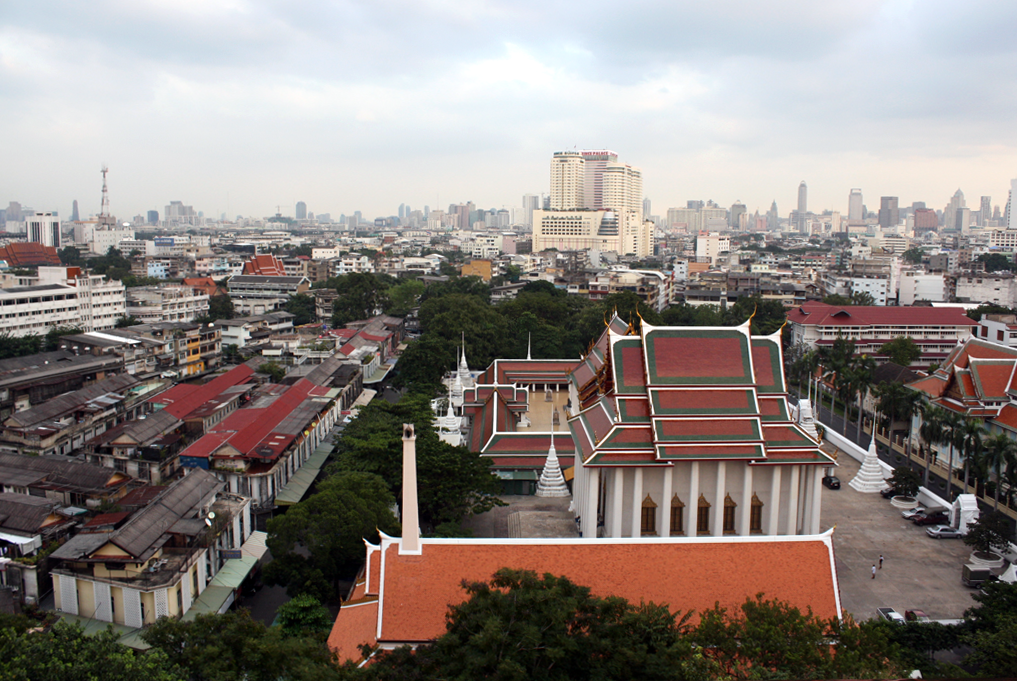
[(44, 228), (803, 198), (889, 213), (74, 211), (985, 211), (926, 220), (531, 202), (595, 161), (646, 209), (153, 217), (773, 218), (735, 216), (856, 210), (567, 180), (301, 212), (953, 217), (1008, 216)]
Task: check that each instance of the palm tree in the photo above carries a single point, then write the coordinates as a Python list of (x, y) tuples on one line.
[(933, 431), (898, 403), (1000, 452), (864, 369), (835, 360), (971, 446)]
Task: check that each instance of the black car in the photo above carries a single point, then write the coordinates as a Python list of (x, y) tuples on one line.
[(937, 518), (831, 481), (888, 492)]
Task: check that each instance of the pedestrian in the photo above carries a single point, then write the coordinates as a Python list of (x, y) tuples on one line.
[(873, 571), (881, 561)]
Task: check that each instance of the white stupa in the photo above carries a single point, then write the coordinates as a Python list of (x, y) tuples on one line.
[(806, 419), (552, 482), (870, 476)]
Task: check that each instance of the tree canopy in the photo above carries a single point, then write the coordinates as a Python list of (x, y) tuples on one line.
[(901, 350)]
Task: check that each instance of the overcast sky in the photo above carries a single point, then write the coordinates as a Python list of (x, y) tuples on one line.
[(248, 105)]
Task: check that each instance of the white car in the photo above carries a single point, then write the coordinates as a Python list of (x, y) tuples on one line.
[(943, 532), (912, 512)]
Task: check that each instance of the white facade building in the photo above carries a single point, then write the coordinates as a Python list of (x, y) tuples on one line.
[(104, 239), (44, 228), (709, 246), (998, 289), (915, 286), (153, 304)]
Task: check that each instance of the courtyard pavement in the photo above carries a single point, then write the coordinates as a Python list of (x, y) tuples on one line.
[(918, 572)]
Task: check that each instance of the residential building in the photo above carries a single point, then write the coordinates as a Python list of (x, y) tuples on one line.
[(147, 448), (62, 479), (162, 560), (259, 294), (44, 228), (980, 288), (998, 328), (199, 407), (936, 330), (253, 330), (34, 379), (154, 304), (101, 239), (710, 245), (918, 286)]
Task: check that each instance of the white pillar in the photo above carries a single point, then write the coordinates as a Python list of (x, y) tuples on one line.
[(817, 499), (717, 512), (804, 478), (693, 503), (792, 510), (637, 503), (772, 527), (665, 505), (411, 524), (746, 506), (617, 494), (589, 524)]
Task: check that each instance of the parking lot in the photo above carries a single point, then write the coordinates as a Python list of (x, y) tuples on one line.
[(918, 572)]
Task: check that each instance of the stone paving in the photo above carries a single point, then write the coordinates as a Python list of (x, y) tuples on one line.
[(918, 572)]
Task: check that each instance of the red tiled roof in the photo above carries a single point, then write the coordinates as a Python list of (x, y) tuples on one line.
[(992, 379), (29, 254), (265, 265), (184, 398), (356, 625), (685, 574), (1007, 417), (821, 314)]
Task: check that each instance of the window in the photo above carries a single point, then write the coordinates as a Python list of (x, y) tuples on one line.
[(729, 514), (677, 511), (648, 525), (703, 516), (756, 515)]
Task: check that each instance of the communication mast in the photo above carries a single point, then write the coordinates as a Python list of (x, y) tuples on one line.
[(104, 217)]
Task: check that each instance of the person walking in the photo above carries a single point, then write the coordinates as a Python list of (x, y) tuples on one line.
[(873, 571), (881, 561)]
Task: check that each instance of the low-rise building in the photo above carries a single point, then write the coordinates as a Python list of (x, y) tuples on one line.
[(154, 304), (147, 448), (254, 330), (256, 294), (981, 288), (62, 479), (34, 379)]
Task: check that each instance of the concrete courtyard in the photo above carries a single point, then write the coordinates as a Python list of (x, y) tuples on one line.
[(918, 572)]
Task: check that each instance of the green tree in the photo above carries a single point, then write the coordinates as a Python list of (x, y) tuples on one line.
[(18, 346), (520, 626), (988, 308), (232, 646), (304, 249), (302, 307), (862, 298), (901, 350), (905, 482), (838, 300), (935, 430), (990, 533), (51, 341), (304, 615), (998, 452), (70, 256), (913, 255), (996, 602), (404, 296), (995, 654), (66, 653), (361, 295), (273, 370), (995, 262), (453, 481), (973, 434), (320, 540), (898, 403), (127, 320)]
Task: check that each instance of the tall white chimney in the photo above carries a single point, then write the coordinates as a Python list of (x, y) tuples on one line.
[(411, 524)]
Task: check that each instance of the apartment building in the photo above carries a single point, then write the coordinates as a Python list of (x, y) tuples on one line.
[(258, 294), (154, 304)]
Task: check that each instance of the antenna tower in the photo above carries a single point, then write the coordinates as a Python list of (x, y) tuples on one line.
[(104, 212)]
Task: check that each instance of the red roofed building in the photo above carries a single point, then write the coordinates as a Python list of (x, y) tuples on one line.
[(671, 431), (407, 584), (936, 330), (29, 254), (265, 265)]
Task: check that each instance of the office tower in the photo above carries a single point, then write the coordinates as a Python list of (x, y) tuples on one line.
[(889, 214), (1008, 216), (402, 210), (952, 210), (985, 211), (916, 205), (595, 161), (301, 210), (735, 217), (44, 228), (531, 202), (14, 212), (74, 211), (856, 211), (772, 218), (694, 205), (567, 180), (622, 190), (646, 209), (153, 217), (926, 220), (803, 198)]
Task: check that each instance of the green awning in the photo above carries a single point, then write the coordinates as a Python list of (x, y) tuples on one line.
[(220, 592), (129, 636), (302, 480), (518, 475), (234, 571)]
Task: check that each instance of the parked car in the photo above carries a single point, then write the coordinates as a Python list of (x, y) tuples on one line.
[(937, 518), (943, 532), (890, 615), (888, 492), (912, 512), (916, 616), (976, 575), (831, 481)]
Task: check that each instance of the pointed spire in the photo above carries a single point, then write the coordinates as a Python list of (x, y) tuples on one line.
[(870, 475), (529, 340), (552, 482)]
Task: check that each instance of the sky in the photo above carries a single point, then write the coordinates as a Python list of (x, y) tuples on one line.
[(246, 107)]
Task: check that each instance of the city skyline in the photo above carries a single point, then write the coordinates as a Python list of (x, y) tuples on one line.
[(241, 107)]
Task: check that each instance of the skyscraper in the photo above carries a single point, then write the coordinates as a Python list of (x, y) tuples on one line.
[(595, 161), (567, 180), (889, 213), (772, 218), (855, 207), (735, 216), (1008, 216), (985, 211), (952, 214), (803, 198), (74, 211), (153, 217), (301, 210), (44, 228), (646, 209)]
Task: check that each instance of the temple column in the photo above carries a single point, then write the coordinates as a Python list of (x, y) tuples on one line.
[(772, 527), (807, 496), (617, 494), (746, 505), (637, 503), (665, 505), (717, 512), (817, 499), (589, 522), (792, 507), (693, 502)]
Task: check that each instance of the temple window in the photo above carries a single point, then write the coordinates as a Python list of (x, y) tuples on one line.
[(756, 515), (677, 516), (703, 516), (729, 514), (648, 524)]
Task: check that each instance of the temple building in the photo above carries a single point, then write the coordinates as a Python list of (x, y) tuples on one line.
[(664, 431)]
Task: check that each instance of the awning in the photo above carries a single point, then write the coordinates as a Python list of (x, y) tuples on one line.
[(18, 539), (220, 593), (302, 480), (255, 545), (517, 475)]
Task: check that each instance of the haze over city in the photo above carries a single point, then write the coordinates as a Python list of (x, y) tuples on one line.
[(248, 107)]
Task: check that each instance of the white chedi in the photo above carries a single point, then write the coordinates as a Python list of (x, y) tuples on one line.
[(552, 482), (870, 476)]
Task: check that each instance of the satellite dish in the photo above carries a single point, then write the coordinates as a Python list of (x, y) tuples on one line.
[(208, 522), (211, 514)]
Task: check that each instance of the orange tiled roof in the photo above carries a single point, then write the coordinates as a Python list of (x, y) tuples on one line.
[(356, 625), (418, 589), (29, 254), (265, 265), (1007, 417)]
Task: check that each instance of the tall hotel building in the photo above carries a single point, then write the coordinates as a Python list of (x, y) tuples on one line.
[(596, 203)]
